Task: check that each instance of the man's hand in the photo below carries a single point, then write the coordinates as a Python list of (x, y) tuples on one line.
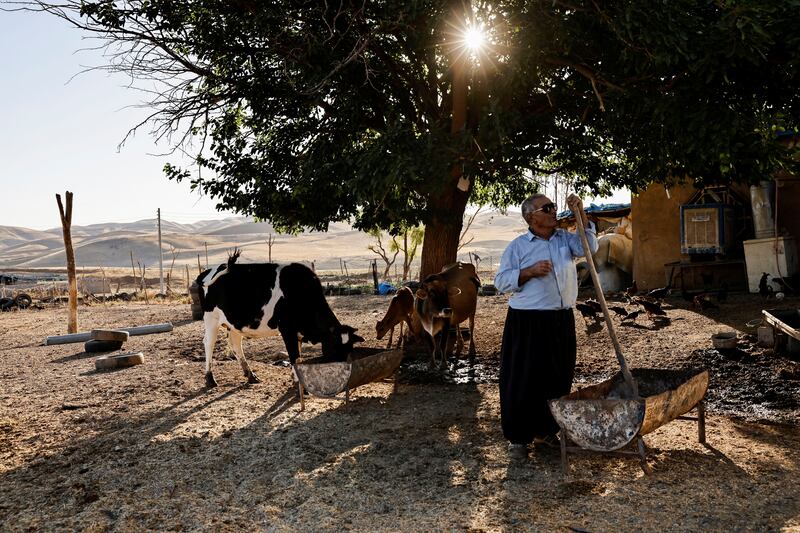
[(536, 270), (575, 203), (576, 206)]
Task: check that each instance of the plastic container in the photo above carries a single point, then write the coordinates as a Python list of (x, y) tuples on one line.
[(724, 340)]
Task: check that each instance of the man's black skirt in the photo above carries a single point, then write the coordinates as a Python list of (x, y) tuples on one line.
[(537, 364)]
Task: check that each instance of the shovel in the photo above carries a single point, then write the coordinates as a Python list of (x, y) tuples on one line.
[(626, 373)]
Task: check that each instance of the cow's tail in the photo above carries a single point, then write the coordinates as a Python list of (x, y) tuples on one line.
[(234, 257)]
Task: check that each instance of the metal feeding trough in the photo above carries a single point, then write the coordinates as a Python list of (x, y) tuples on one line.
[(327, 379), (785, 324), (614, 414), (605, 418)]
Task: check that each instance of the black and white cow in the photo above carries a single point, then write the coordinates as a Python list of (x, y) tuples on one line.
[(264, 299)]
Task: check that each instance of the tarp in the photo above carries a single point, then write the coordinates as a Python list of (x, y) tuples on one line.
[(385, 288), (609, 210)]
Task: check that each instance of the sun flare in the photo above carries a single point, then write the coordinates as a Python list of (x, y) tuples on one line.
[(474, 38)]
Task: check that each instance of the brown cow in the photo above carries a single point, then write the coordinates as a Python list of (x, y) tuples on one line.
[(445, 300), (401, 309)]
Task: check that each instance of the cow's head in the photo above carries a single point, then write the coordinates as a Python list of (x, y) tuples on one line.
[(340, 342), (399, 309), (433, 297)]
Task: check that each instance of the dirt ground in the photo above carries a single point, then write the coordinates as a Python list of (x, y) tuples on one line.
[(149, 447)]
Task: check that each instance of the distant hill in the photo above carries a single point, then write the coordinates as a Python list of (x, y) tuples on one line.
[(10, 235), (111, 244)]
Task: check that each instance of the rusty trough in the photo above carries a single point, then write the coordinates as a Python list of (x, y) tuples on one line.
[(604, 418), (611, 417), (327, 380)]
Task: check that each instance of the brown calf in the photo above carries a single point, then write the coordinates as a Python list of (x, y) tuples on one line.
[(401, 309), (445, 300)]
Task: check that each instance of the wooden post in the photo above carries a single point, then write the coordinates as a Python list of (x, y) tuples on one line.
[(270, 242), (66, 227), (375, 274), (143, 270), (160, 256), (133, 271), (701, 422), (188, 280), (199, 269), (105, 298)]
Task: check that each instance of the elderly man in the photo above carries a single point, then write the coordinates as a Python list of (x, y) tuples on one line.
[(538, 352)]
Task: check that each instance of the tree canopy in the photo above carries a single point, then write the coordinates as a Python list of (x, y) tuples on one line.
[(305, 113)]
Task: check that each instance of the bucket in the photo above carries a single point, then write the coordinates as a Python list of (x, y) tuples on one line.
[(762, 198)]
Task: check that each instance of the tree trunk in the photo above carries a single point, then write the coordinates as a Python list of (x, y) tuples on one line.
[(66, 224), (446, 210), (442, 231)]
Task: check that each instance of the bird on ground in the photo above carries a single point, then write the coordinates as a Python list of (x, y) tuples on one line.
[(632, 290), (659, 293), (764, 288), (619, 310), (586, 311), (652, 309), (703, 302), (631, 316), (594, 304)]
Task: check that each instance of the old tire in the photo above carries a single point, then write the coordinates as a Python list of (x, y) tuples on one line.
[(197, 312), (110, 335), (122, 360), (23, 300), (95, 346), (194, 292), (488, 290)]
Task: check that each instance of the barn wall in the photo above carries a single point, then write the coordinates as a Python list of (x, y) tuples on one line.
[(656, 228), (656, 232)]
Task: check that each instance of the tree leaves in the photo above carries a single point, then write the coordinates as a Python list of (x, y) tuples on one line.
[(309, 113)]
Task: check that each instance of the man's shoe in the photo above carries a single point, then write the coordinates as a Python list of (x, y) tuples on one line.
[(517, 450), (549, 441)]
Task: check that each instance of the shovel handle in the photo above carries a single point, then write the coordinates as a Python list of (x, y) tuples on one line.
[(602, 299)]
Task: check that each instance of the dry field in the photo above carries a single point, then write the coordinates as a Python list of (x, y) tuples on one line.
[(149, 447)]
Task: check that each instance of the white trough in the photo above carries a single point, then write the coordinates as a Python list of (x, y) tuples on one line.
[(364, 365)]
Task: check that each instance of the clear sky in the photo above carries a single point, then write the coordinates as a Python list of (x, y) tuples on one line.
[(61, 132)]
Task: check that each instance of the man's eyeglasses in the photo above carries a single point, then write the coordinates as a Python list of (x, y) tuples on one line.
[(546, 208)]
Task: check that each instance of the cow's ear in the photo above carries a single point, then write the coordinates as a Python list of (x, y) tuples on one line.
[(356, 338), (421, 294)]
